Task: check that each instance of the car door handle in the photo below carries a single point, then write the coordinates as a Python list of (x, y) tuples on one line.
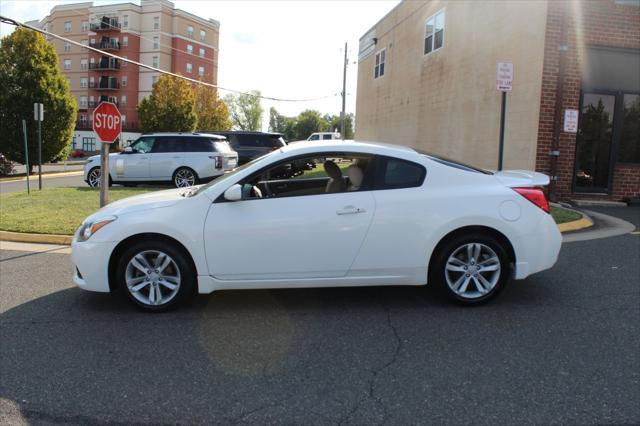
[(350, 210)]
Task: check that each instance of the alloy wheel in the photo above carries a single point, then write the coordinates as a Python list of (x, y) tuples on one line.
[(94, 177), (184, 178), (473, 270), (152, 277)]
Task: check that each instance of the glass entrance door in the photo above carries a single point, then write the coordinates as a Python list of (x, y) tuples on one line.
[(593, 167)]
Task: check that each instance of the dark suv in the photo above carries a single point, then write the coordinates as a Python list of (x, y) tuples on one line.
[(250, 145)]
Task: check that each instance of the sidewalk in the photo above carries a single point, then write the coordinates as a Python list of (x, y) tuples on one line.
[(70, 166)]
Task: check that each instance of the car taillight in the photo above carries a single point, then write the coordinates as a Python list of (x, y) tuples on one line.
[(218, 162), (535, 195)]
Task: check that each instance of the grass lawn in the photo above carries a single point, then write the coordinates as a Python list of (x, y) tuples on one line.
[(54, 210), (60, 210), (563, 215)]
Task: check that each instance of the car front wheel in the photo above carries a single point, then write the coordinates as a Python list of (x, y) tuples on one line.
[(472, 269), (155, 275), (184, 177)]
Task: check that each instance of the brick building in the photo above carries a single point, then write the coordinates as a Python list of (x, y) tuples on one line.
[(426, 79), (153, 33)]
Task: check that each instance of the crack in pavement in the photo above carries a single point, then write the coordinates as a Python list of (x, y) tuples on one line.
[(374, 375)]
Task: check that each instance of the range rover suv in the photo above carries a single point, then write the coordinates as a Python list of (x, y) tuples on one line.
[(184, 159), (251, 145)]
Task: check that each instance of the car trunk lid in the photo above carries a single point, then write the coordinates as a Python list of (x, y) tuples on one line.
[(521, 178)]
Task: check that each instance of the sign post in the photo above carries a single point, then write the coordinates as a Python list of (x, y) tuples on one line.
[(26, 153), (38, 115), (107, 123), (504, 84)]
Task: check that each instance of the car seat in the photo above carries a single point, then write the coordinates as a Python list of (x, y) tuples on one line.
[(356, 175), (336, 182)]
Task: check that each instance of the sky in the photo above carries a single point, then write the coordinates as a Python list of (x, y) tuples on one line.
[(284, 49)]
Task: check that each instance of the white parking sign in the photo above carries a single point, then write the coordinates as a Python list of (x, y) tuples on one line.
[(504, 76)]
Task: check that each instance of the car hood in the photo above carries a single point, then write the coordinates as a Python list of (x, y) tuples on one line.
[(97, 157), (148, 201)]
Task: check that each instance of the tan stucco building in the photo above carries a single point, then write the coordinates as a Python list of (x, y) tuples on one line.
[(427, 79)]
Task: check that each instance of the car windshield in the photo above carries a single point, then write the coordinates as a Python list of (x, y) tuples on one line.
[(199, 189), (453, 163)]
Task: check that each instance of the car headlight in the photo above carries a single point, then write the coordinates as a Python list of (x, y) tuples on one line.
[(87, 229)]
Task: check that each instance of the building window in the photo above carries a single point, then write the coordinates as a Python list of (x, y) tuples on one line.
[(203, 35), (156, 42), (378, 69), (629, 149), (125, 21), (154, 79), (124, 120), (83, 64), (189, 68), (156, 62), (67, 46), (156, 22), (201, 71), (125, 41), (88, 144), (189, 49), (85, 26), (69, 81), (92, 101), (92, 81), (84, 82), (83, 121), (124, 63), (190, 31), (67, 64), (83, 101), (123, 99), (124, 81), (84, 42), (67, 27), (201, 52), (434, 32)]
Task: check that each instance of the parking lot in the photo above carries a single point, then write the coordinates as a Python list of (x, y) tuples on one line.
[(559, 347)]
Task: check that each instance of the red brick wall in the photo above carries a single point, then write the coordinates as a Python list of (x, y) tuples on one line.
[(588, 23)]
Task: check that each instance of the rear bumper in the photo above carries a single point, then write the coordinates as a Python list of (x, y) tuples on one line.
[(538, 251)]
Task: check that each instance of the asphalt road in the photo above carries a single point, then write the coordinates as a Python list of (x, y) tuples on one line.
[(47, 182), (561, 347)]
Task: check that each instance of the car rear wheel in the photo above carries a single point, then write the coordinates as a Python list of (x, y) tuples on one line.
[(184, 177), (472, 268), (93, 178), (155, 275)]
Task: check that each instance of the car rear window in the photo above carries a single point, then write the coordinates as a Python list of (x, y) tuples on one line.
[(259, 141), (401, 174), (196, 144)]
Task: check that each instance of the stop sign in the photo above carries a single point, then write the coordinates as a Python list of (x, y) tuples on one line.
[(107, 122)]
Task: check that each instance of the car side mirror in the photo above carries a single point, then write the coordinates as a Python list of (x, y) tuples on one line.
[(128, 150), (234, 193)]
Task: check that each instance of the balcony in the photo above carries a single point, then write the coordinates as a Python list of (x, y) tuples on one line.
[(106, 45), (112, 84), (102, 66), (84, 125), (105, 24)]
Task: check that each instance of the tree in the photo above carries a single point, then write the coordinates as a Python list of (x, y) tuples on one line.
[(29, 73), (308, 122), (170, 108), (281, 124), (334, 124), (212, 112), (246, 111)]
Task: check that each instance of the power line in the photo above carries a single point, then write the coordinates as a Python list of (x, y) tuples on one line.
[(11, 21)]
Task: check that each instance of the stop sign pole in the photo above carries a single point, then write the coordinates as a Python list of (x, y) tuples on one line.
[(107, 123)]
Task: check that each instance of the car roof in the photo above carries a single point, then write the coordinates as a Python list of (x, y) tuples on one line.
[(204, 135), (242, 132), (350, 145)]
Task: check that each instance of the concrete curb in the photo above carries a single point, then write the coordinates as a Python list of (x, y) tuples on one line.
[(575, 225), (607, 226), (23, 237), (44, 176)]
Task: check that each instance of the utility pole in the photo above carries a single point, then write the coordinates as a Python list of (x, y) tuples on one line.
[(344, 93)]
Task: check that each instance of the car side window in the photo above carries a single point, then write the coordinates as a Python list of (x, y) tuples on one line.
[(195, 144), (143, 145), (312, 175), (397, 173), (325, 137), (314, 137), (167, 144)]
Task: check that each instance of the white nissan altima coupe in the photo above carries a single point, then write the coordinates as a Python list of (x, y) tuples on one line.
[(357, 214)]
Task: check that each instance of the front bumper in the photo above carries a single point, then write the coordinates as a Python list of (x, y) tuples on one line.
[(91, 264)]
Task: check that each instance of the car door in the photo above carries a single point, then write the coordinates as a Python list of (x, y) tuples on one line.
[(135, 165), (292, 235), (166, 156)]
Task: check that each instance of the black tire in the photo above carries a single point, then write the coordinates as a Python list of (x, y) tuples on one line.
[(90, 181), (184, 170), (186, 271), (129, 185), (438, 272)]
